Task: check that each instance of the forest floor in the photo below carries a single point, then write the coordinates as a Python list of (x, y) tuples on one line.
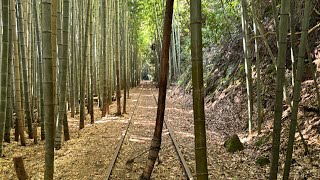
[(88, 153), (226, 115)]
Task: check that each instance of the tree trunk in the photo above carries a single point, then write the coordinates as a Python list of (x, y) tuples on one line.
[(124, 54), (40, 66), (78, 61), (283, 30), (19, 167), (164, 69), (257, 52), (9, 113), (66, 128), (297, 87), (4, 70), (84, 68), (48, 86), (72, 64), (247, 55), (18, 106), (90, 94), (198, 91), (293, 39), (24, 67), (105, 107), (56, 35), (117, 58), (63, 63)]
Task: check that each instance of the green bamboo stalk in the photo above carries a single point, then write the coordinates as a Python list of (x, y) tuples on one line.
[(84, 68), (105, 107), (48, 84), (40, 69), (124, 52), (55, 37), (110, 40), (198, 91), (275, 16), (63, 63), (78, 59), (247, 58), (23, 48), (73, 55), (58, 120), (18, 103), (29, 50), (90, 94), (4, 70), (283, 30), (117, 57), (293, 39), (297, 87), (9, 113), (257, 52)]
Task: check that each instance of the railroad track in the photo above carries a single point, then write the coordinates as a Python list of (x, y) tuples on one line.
[(116, 153)]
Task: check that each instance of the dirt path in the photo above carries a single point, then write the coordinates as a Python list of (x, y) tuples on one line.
[(138, 140), (89, 152)]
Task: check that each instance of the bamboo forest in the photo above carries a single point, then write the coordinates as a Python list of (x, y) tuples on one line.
[(160, 89)]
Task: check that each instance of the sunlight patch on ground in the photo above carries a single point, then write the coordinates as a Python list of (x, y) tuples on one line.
[(165, 132), (139, 139), (148, 95), (247, 138), (185, 134), (110, 119), (148, 107)]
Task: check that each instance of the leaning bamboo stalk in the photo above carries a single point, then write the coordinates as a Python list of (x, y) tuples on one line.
[(164, 68)]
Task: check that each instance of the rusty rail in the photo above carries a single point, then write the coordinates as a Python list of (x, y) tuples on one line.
[(123, 135), (172, 137), (176, 145)]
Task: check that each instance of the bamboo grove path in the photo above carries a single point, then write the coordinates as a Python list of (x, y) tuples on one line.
[(90, 151), (133, 153)]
